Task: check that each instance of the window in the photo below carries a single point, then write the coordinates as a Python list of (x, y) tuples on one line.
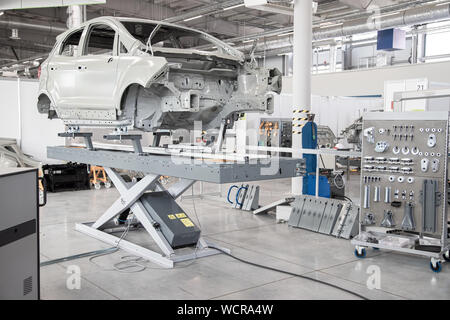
[(438, 44), (123, 49), (100, 41), (71, 44), (166, 36)]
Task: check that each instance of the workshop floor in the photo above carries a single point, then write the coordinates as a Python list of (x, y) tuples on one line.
[(256, 238)]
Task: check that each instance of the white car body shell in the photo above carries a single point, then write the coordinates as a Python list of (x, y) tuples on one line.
[(89, 89)]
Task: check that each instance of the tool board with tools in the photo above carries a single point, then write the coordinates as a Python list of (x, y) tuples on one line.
[(404, 176)]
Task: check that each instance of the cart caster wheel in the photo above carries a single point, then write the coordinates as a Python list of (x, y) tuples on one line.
[(447, 256), (360, 255), (97, 186), (108, 185), (437, 268)]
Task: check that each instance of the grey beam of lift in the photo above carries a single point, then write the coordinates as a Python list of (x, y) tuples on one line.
[(186, 168)]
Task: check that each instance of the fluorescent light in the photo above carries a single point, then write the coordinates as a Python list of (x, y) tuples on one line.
[(285, 34), (2, 13), (234, 7), (441, 4), (385, 15), (330, 25), (193, 18), (246, 41)]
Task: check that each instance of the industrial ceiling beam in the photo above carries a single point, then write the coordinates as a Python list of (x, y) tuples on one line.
[(418, 15), (45, 27), (20, 4), (267, 5), (205, 11)]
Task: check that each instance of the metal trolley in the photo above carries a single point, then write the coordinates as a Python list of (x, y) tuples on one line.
[(404, 184)]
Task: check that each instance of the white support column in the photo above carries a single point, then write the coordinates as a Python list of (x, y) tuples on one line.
[(333, 57), (415, 45), (302, 70), (75, 16)]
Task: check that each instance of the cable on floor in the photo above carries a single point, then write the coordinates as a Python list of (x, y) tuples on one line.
[(278, 270), (78, 256), (290, 273), (96, 253), (130, 261), (128, 264)]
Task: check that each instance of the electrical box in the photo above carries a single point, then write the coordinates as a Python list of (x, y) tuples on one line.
[(275, 133), (391, 40), (176, 226), (19, 234)]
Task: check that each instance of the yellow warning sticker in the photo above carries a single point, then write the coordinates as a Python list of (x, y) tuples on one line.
[(181, 215), (171, 217), (187, 222)]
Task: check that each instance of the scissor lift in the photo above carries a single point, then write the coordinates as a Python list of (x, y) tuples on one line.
[(153, 205)]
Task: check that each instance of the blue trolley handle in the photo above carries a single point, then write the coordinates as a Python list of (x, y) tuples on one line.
[(237, 195), (229, 191)]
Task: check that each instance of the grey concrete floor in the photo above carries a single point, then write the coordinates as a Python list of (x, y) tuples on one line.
[(256, 238)]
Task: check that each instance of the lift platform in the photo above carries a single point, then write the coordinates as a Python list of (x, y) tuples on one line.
[(154, 207)]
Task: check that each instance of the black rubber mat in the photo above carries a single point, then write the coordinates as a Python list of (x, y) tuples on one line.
[(428, 248)]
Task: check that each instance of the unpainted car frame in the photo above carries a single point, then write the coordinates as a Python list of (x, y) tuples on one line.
[(148, 75)]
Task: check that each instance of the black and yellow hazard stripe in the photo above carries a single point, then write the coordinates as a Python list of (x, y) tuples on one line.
[(296, 127), (299, 126), (302, 111)]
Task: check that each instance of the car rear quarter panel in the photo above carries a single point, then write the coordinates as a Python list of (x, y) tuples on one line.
[(136, 70)]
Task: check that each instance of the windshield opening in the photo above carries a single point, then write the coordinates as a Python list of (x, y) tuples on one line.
[(166, 36)]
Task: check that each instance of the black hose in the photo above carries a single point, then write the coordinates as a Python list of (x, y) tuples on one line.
[(290, 273)]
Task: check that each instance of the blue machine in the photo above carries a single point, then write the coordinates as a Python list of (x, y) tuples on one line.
[(309, 141), (391, 40)]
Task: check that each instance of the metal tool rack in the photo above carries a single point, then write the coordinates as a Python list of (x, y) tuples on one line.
[(188, 169), (404, 185)]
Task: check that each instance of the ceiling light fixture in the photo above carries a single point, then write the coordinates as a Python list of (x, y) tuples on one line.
[(193, 18), (234, 7), (285, 34), (323, 26), (442, 4), (385, 15)]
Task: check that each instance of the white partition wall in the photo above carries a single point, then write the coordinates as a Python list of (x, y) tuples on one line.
[(9, 109), (19, 118)]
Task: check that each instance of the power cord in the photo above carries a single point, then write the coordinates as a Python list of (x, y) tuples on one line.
[(92, 254), (343, 198), (290, 273), (274, 269)]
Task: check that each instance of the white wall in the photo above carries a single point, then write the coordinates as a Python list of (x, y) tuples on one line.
[(272, 62), (9, 111), (19, 119), (371, 81), (340, 112), (361, 53)]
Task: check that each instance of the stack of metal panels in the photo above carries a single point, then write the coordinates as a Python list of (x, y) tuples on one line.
[(326, 216)]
